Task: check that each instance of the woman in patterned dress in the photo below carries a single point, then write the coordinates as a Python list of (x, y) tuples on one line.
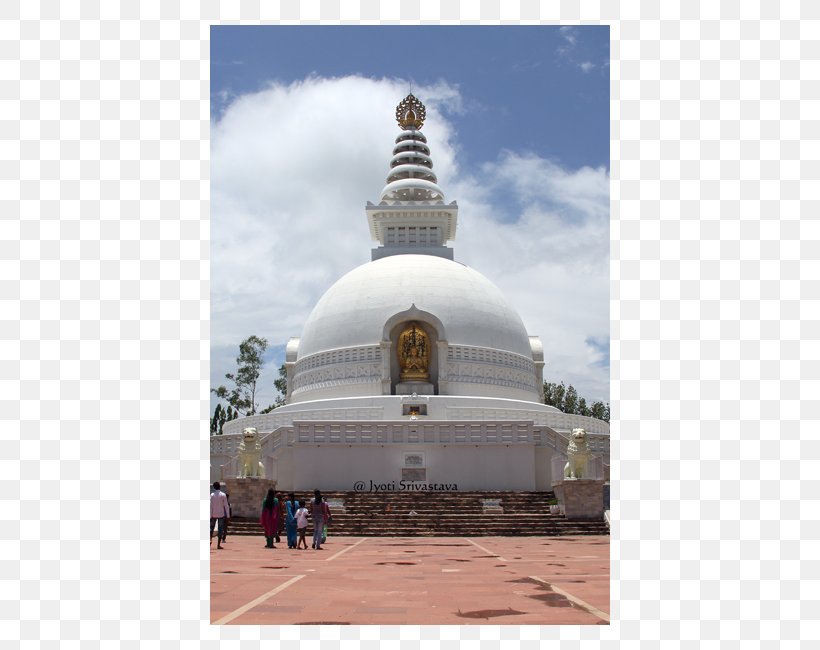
[(270, 517)]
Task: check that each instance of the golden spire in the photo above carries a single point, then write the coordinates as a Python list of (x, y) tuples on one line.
[(410, 113)]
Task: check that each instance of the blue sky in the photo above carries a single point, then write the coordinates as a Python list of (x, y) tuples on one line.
[(520, 85), (302, 132)]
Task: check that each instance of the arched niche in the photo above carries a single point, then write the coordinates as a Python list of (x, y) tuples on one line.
[(432, 327)]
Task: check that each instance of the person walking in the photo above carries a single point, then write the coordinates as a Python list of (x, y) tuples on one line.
[(230, 515), (290, 519), (281, 521), (318, 511), (270, 517), (328, 521), (301, 525), (220, 511)]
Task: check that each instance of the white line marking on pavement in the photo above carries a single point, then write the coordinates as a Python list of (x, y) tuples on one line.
[(487, 551), (582, 604), (238, 612), (345, 550), (267, 575)]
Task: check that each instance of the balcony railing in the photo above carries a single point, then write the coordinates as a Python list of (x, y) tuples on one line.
[(404, 432), (414, 432)]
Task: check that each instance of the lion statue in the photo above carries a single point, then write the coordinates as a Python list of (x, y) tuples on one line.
[(577, 455), (250, 455)]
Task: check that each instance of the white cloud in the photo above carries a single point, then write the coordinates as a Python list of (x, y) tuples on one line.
[(292, 167), (552, 261), (571, 50), (569, 34)]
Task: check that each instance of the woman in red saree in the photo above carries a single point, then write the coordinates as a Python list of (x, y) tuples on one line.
[(270, 517)]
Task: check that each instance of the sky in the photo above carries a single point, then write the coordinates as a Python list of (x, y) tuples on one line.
[(302, 131)]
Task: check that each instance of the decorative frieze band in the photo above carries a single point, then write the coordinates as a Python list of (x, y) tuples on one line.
[(361, 354), (495, 357), (366, 364), (338, 367), (337, 375), (481, 373)]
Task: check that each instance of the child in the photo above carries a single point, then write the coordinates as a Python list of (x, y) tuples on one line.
[(301, 524)]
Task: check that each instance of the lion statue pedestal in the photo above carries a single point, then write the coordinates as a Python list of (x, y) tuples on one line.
[(581, 497), (247, 495), (248, 489)]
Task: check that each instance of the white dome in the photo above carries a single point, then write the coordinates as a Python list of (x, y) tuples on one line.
[(470, 308)]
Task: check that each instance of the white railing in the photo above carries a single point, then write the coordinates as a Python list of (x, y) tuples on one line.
[(557, 463), (568, 422), (546, 437), (564, 422), (594, 470), (275, 419), (413, 432), (270, 443), (558, 421), (225, 444), (405, 432)]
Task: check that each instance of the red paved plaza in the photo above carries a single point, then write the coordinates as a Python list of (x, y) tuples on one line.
[(413, 581)]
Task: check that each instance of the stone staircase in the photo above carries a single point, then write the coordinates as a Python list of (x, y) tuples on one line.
[(388, 514)]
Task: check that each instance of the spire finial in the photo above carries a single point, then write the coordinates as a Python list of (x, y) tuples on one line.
[(410, 113)]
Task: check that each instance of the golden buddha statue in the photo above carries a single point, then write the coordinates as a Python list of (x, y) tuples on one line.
[(414, 354)]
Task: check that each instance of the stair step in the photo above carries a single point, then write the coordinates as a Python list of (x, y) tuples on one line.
[(381, 514)]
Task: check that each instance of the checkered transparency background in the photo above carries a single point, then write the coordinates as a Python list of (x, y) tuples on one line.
[(104, 123)]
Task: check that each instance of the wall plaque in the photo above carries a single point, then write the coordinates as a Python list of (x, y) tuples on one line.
[(412, 474)]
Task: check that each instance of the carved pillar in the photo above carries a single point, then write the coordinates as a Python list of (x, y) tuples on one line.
[(443, 369), (538, 359), (289, 373), (385, 347), (539, 379), (291, 353)]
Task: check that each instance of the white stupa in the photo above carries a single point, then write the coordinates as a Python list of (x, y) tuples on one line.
[(413, 371)]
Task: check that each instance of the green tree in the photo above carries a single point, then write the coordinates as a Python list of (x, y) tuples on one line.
[(599, 411), (547, 390), (242, 397), (217, 420), (281, 385), (558, 392), (551, 394), (566, 398), (570, 400)]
